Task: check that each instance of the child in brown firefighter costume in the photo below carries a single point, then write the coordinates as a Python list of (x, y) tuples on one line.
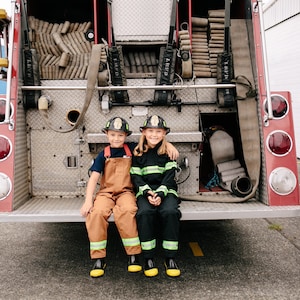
[(115, 196), (153, 174)]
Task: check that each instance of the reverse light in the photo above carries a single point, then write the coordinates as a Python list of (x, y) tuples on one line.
[(280, 106), (5, 147), (282, 181), (279, 143), (5, 186)]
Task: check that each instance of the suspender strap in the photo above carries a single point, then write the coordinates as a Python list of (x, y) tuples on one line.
[(127, 150), (107, 152)]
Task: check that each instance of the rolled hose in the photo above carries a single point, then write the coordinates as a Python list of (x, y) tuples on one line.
[(91, 83), (241, 186)]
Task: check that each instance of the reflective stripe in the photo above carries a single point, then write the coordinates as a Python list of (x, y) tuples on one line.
[(142, 189), (153, 170), (173, 192), (98, 245), (170, 245), (163, 189), (171, 165), (148, 245), (136, 171), (131, 242)]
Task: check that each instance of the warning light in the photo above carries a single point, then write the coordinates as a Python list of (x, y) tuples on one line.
[(282, 181), (5, 147), (279, 143), (280, 106), (5, 186)]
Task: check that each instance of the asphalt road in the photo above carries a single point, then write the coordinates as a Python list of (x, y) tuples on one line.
[(242, 259)]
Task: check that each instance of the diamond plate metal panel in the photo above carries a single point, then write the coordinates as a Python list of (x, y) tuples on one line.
[(188, 178), (49, 151), (133, 20)]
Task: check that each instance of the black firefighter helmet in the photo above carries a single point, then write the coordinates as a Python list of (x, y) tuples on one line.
[(117, 124), (155, 121)]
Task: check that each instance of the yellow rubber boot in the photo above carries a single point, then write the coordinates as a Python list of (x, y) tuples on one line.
[(171, 268), (150, 269), (98, 268)]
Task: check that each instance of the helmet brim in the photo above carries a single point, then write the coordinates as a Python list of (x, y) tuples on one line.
[(167, 129), (104, 130)]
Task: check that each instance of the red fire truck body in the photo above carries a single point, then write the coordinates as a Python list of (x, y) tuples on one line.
[(72, 65)]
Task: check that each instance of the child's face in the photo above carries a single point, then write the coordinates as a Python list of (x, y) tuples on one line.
[(116, 139), (154, 136)]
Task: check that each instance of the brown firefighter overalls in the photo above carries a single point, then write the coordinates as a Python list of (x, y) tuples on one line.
[(115, 196)]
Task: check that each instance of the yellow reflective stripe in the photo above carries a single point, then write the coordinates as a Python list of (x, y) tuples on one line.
[(136, 171), (131, 242), (163, 189), (142, 189), (148, 245), (170, 245), (171, 165), (153, 170), (98, 245), (173, 192)]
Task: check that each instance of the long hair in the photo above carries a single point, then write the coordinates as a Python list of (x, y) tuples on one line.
[(142, 147)]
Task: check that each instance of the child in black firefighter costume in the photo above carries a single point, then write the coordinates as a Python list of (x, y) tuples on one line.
[(153, 174), (115, 196)]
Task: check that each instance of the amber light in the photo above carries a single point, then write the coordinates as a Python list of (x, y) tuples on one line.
[(279, 143)]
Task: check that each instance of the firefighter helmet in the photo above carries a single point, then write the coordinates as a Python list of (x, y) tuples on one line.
[(155, 121), (117, 124)]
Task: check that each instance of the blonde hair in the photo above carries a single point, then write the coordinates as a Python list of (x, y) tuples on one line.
[(142, 147)]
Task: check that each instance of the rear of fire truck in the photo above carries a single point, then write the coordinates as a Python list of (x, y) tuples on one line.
[(72, 65)]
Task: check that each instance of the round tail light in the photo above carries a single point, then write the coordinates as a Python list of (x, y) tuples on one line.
[(5, 186), (5, 147), (280, 106), (282, 181), (279, 143)]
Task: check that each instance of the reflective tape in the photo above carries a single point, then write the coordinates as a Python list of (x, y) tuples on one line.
[(131, 242), (98, 245), (170, 245), (149, 245)]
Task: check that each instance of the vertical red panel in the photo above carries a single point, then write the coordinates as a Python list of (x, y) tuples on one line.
[(7, 165), (269, 125), (289, 161)]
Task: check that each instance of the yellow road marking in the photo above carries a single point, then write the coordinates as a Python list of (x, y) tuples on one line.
[(196, 249)]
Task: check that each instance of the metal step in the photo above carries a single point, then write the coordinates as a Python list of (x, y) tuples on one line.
[(173, 137), (67, 210)]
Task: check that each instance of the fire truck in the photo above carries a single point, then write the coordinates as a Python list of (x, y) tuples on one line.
[(71, 65)]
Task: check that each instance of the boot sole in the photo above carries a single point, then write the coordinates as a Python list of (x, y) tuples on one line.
[(151, 272), (134, 268)]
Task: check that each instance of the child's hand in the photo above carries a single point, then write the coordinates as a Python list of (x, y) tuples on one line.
[(154, 199), (172, 151), (85, 209)]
